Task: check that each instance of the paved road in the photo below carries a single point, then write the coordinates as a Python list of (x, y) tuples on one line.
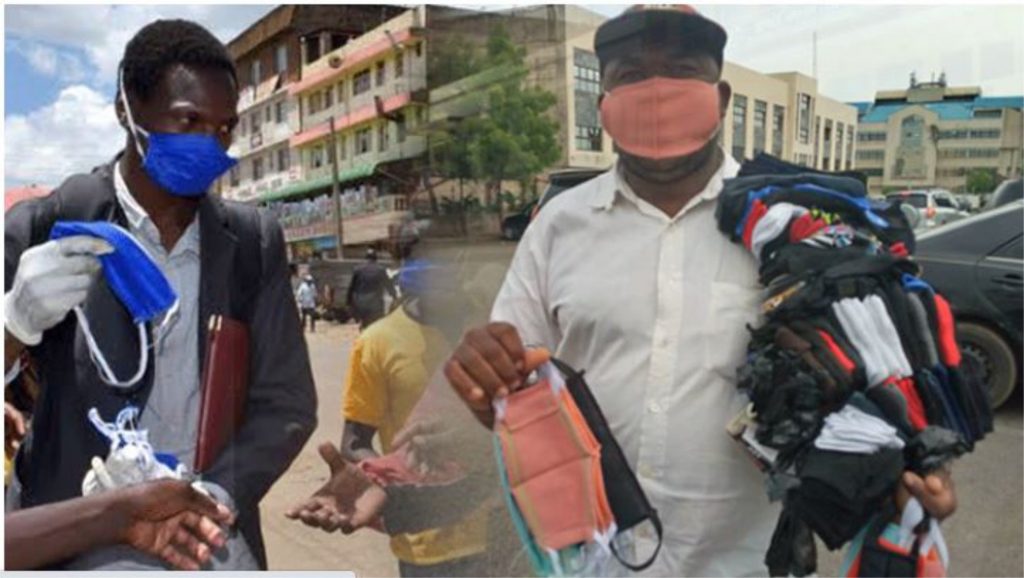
[(986, 537)]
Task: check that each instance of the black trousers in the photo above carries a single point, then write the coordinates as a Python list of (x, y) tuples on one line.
[(311, 313)]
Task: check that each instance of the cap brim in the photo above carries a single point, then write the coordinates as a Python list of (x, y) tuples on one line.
[(635, 30)]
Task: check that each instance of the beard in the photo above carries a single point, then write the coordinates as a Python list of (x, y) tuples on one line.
[(670, 170)]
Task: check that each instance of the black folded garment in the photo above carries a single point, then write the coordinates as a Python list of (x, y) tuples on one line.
[(792, 551), (626, 498), (932, 448), (788, 397), (839, 492)]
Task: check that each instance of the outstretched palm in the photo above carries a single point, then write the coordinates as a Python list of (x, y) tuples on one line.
[(347, 501)]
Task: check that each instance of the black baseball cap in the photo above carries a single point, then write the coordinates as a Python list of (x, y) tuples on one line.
[(645, 25)]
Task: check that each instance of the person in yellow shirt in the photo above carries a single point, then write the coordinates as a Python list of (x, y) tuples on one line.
[(390, 366)]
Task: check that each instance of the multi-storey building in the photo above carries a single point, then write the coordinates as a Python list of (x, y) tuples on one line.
[(934, 135), (783, 115), (269, 56)]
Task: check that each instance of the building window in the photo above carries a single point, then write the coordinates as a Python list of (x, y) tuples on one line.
[(312, 48), (986, 134), (400, 64), (284, 160), (760, 126), (316, 103), (254, 120), (400, 126), (969, 153), (739, 127), (849, 148), (872, 172), (826, 153), (996, 113), (870, 137), (328, 98), (341, 92), (279, 112), (255, 72), (419, 49), (257, 169), (382, 75), (587, 90), (871, 155), (268, 114), (817, 140), (839, 146), (316, 157), (364, 141), (803, 114), (778, 126), (361, 82), (234, 176), (342, 146), (912, 131), (281, 59), (382, 137)]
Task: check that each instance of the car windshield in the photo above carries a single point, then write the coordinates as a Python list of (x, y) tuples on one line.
[(919, 201)]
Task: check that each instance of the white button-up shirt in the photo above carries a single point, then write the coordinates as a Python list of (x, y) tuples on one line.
[(655, 309)]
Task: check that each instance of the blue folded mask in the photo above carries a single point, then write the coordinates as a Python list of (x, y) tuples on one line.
[(135, 279)]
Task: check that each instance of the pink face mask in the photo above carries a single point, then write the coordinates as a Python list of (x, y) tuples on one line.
[(661, 117)]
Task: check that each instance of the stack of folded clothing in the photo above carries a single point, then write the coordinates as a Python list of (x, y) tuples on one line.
[(855, 374)]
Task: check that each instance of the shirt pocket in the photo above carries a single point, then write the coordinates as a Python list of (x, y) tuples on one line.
[(733, 307)]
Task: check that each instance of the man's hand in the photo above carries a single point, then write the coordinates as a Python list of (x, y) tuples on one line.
[(14, 429), (489, 362), (52, 279), (935, 491), (348, 500), (171, 520)]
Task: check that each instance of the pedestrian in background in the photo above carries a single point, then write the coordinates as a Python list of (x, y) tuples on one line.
[(306, 297), (366, 292)]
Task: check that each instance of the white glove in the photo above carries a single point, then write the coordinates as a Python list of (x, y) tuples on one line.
[(52, 279)]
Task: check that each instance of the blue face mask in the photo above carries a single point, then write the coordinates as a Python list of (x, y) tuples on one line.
[(183, 164), (135, 279)]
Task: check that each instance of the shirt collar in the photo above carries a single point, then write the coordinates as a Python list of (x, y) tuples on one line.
[(614, 183), (132, 209), (137, 217)]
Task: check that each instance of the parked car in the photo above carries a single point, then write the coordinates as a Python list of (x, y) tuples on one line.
[(978, 264), (513, 226), (1005, 193), (562, 181), (938, 206)]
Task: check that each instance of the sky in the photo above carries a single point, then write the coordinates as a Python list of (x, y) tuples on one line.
[(61, 61)]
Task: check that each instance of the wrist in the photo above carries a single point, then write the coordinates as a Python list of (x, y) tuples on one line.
[(13, 348), (14, 331)]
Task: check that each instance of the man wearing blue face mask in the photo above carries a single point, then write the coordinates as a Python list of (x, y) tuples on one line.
[(177, 101)]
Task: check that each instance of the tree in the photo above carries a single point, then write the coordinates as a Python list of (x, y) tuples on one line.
[(980, 181), (455, 157), (514, 138)]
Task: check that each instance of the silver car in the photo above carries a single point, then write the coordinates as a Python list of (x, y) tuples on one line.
[(936, 206)]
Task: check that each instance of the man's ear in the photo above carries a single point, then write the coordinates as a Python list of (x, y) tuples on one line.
[(724, 96), (122, 116)]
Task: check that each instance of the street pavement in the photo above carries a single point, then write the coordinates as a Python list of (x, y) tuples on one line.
[(985, 537)]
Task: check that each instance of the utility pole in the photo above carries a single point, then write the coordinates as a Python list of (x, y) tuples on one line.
[(336, 191)]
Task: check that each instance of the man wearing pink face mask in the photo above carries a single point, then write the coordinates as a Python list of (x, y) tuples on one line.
[(628, 277)]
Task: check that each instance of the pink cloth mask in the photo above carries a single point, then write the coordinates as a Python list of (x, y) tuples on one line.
[(661, 117)]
